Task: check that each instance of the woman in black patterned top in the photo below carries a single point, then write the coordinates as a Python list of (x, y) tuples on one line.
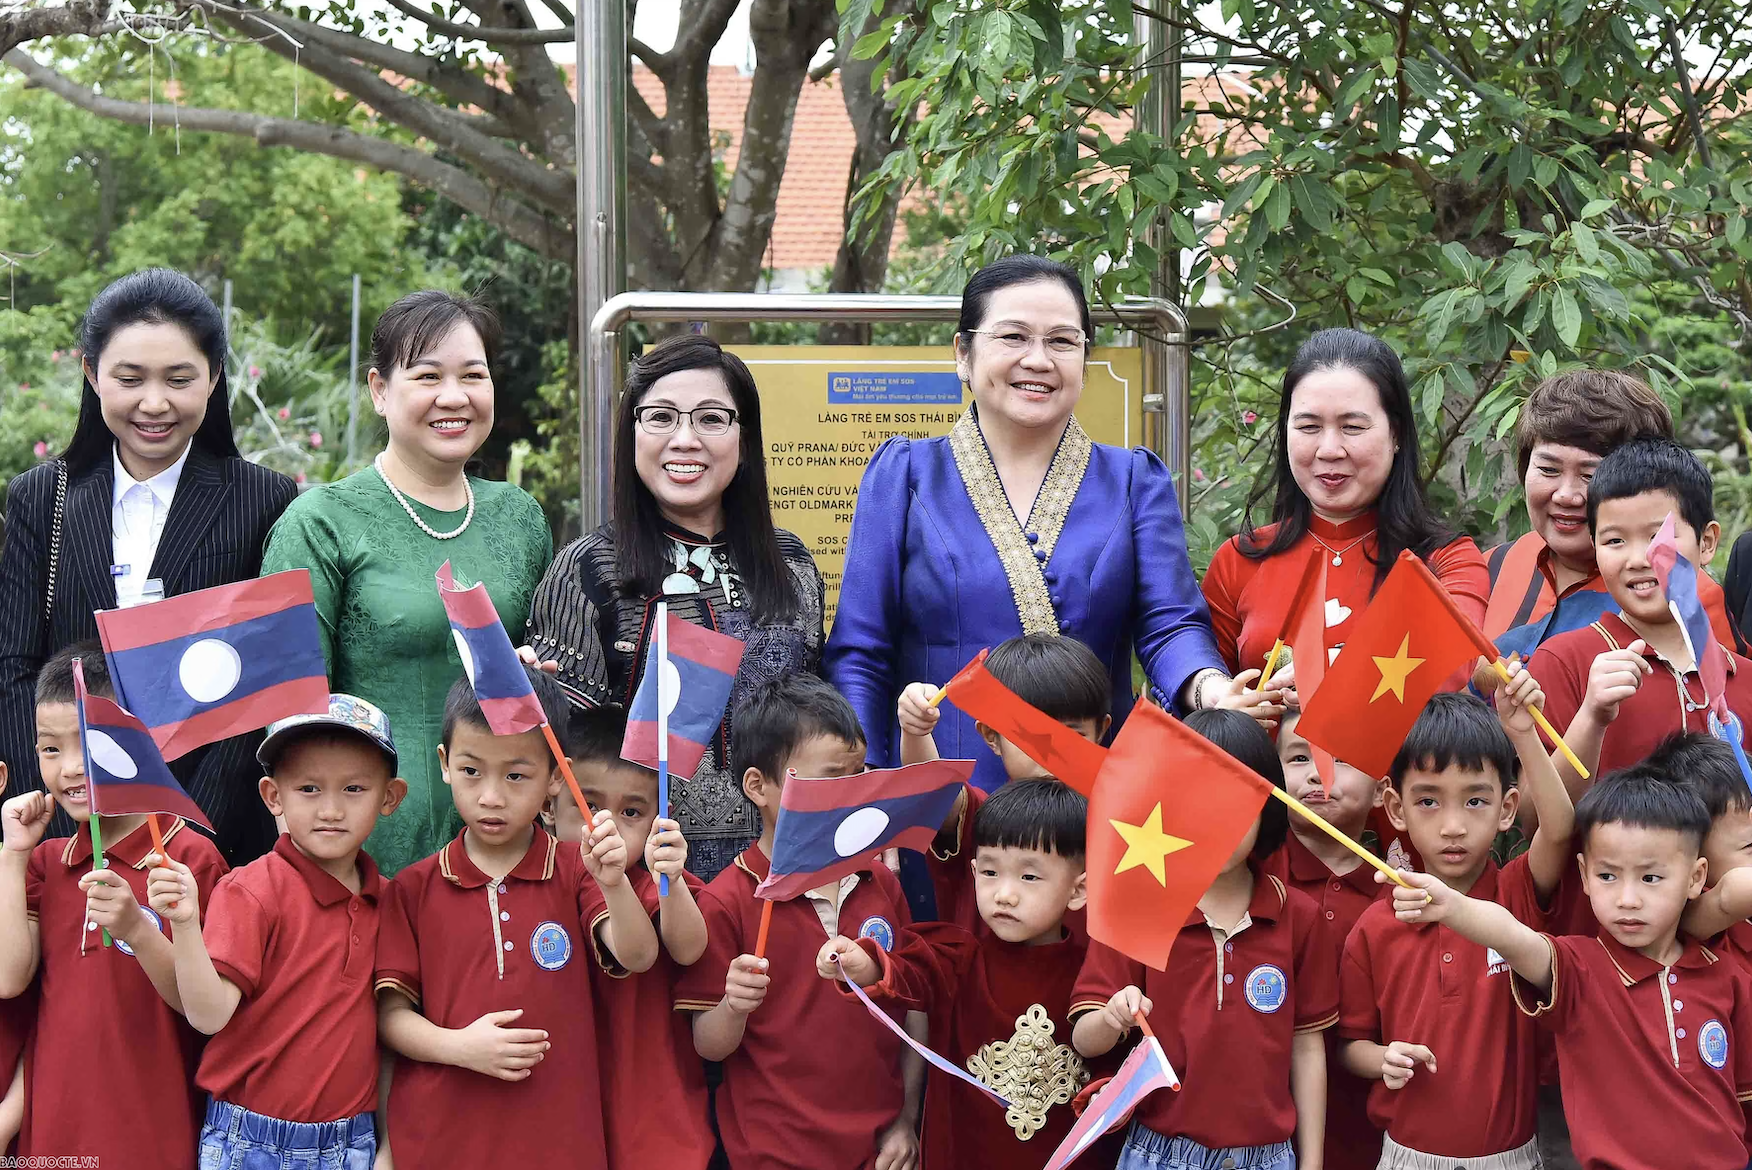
[(691, 527)]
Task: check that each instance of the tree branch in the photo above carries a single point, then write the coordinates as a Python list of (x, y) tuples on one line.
[(491, 35), (83, 18), (520, 221)]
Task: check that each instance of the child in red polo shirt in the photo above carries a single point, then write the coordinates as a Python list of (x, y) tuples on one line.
[(16, 1017), (53, 906), (1707, 766), (811, 1082), (1342, 887), (998, 1002), (1628, 681), (1254, 1074), (1653, 1031), (654, 1096), (483, 988), (281, 976), (1426, 1015), (1058, 676)]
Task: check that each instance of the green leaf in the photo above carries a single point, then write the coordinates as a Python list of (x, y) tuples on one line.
[(1587, 247), (1597, 206), (1566, 317), (1736, 230), (1429, 397), (1277, 208), (872, 44)]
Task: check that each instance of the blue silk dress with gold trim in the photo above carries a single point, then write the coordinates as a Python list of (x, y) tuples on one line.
[(939, 568)]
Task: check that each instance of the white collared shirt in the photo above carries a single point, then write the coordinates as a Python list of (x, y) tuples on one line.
[(137, 515)]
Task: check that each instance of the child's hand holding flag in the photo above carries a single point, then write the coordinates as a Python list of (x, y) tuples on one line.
[(842, 958), (605, 851), (110, 903), (172, 893), (666, 849)]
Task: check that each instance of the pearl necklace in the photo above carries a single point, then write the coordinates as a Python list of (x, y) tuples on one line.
[(415, 516), (1338, 553)]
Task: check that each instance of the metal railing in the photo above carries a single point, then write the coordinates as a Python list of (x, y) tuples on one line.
[(1163, 334)]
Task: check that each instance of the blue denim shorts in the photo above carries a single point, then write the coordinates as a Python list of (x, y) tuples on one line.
[(236, 1139), (1145, 1149)]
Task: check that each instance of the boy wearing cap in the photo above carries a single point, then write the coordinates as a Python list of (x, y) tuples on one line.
[(282, 977), (110, 1008), (483, 976)]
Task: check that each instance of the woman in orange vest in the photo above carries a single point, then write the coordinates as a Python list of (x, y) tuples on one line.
[(1546, 582)]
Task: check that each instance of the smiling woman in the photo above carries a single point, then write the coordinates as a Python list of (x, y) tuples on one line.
[(149, 500), (374, 542)]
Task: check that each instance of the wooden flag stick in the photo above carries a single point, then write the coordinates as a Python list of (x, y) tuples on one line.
[(766, 920), (571, 780), (1545, 726), (1277, 648), (1341, 838)]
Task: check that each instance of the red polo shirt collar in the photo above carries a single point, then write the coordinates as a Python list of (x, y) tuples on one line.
[(132, 850), (1267, 904), (1306, 866), (1634, 966), (755, 863), (537, 864), (1621, 633), (324, 886)]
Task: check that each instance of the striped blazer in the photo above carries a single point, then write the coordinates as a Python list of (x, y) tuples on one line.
[(218, 523)]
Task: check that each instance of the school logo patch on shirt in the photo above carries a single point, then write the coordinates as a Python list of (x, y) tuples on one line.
[(550, 946), (1494, 964), (1266, 988), (1712, 1044), (157, 924), (878, 928)]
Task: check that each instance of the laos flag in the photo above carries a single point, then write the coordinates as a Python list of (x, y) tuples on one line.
[(500, 683), (205, 666), (125, 772), (1144, 1071), (697, 678), (832, 827)]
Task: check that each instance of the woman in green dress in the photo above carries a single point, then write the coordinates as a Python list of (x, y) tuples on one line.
[(374, 540)]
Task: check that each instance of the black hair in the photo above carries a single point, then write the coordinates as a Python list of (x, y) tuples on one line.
[(1707, 766), (1642, 797), (153, 296), (777, 717), (461, 705), (641, 548), (1242, 737), (1654, 464), (416, 324), (1457, 730), (1403, 516), (1042, 814), (976, 294), (54, 682), (597, 735), (1058, 676)]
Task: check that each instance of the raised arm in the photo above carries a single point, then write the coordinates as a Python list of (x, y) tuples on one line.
[(1485, 923), (1727, 903), (1549, 854), (209, 999)]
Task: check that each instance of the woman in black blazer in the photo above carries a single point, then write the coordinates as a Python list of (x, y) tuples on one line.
[(191, 514)]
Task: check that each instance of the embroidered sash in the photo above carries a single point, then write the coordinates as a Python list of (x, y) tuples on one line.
[(1063, 478)]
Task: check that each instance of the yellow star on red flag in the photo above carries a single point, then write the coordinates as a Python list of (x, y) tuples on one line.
[(1395, 670), (1147, 845)]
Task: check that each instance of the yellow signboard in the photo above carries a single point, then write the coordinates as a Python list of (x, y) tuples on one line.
[(825, 410)]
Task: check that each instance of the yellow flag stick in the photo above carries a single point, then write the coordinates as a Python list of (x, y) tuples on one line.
[(1339, 836), (1277, 648), (1545, 726), (942, 693)]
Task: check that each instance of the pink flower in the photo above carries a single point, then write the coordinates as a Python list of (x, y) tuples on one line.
[(299, 478), (1198, 475), (316, 438), (255, 373), (55, 356), (285, 412), (41, 449), (1248, 417)]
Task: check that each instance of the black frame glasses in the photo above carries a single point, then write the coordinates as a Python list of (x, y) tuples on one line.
[(640, 414)]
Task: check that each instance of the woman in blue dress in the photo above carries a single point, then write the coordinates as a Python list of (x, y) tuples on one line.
[(1016, 522)]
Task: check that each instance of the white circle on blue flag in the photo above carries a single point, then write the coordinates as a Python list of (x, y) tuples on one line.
[(109, 755), (463, 652), (668, 687), (859, 831), (209, 670)]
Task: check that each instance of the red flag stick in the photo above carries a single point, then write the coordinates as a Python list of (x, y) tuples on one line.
[(566, 771), (766, 920)]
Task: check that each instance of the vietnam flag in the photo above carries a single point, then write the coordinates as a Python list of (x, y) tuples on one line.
[(1305, 630), (1169, 808), (1065, 755), (1408, 642)]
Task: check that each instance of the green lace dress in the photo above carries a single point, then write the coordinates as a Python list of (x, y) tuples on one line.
[(383, 627)]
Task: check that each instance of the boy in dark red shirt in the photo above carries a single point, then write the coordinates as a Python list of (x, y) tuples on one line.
[(1628, 681), (52, 907), (654, 1096), (999, 1002), (811, 1082), (1637, 1009), (1342, 887), (1250, 985), (16, 1017), (483, 986), (281, 976), (1425, 1014), (1058, 676), (1706, 766)]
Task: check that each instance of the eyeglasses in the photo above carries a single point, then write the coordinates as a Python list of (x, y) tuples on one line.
[(1059, 343), (710, 421)]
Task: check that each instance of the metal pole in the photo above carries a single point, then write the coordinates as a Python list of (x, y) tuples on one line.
[(353, 381), (600, 135), (1159, 318), (1166, 374)]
